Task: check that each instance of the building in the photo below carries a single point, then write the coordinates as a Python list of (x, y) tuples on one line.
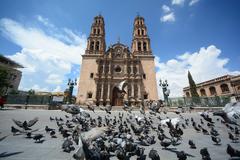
[(102, 70), (226, 85), (13, 74)]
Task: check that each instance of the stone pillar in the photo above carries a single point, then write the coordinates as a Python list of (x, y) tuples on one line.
[(102, 90), (108, 94), (132, 68), (137, 66), (132, 100), (132, 86), (139, 91), (110, 68), (126, 69)]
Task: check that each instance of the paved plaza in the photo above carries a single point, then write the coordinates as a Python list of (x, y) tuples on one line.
[(50, 149)]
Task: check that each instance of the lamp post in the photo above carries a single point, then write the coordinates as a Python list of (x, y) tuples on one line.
[(71, 85), (164, 85)]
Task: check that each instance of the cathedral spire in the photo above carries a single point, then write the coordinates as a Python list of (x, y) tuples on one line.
[(96, 41), (141, 41)]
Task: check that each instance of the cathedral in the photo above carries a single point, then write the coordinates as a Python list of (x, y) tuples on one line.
[(102, 69)]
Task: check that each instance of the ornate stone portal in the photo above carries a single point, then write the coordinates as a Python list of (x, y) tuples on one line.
[(102, 71)]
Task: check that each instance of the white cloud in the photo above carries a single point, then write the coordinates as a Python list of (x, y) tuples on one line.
[(168, 17), (57, 89), (54, 79), (192, 2), (203, 65), (178, 2), (47, 59), (166, 9)]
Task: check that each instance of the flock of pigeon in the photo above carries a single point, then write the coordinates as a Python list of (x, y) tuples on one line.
[(127, 134)]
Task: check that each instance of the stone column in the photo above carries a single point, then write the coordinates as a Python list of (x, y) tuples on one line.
[(110, 68), (137, 66), (126, 69), (132, 68), (139, 90), (132, 86), (102, 90), (108, 94)]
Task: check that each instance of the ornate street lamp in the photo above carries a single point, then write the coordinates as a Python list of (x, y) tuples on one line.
[(166, 91), (71, 85)]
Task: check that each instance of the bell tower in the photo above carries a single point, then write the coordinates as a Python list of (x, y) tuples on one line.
[(95, 50), (96, 40), (141, 41)]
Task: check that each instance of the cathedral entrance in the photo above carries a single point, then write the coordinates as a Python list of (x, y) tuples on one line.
[(117, 97)]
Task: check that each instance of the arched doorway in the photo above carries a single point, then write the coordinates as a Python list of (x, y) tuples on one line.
[(117, 97)]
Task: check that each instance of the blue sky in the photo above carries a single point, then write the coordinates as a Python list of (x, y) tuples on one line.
[(49, 37)]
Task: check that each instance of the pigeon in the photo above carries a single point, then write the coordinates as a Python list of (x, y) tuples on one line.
[(90, 107), (165, 143), (67, 145), (121, 86), (72, 109), (205, 154), (25, 125), (232, 152), (38, 137), (153, 154), (142, 109), (51, 119), (181, 155), (53, 134), (206, 117), (15, 130), (88, 137), (230, 113), (217, 140), (232, 137), (174, 121), (47, 129), (191, 144), (108, 109)]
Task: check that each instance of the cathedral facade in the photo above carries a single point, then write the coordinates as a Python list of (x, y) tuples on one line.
[(102, 69)]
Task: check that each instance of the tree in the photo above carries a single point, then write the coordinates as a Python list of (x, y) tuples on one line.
[(4, 83), (31, 92), (192, 86)]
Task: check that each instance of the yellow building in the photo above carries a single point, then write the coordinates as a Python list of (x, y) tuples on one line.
[(226, 85), (103, 69)]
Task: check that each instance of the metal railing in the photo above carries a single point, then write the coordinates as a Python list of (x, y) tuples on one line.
[(217, 101), (29, 99)]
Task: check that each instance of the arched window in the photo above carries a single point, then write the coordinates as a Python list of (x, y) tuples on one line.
[(224, 88), (212, 90), (202, 92), (97, 45), (89, 95), (98, 31), (91, 45), (144, 46), (118, 69), (138, 31), (187, 94), (94, 31), (139, 46), (143, 32)]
